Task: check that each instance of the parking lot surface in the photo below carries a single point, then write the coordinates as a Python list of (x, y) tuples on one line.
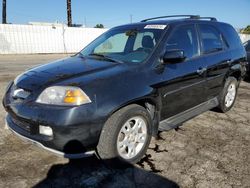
[(211, 150)]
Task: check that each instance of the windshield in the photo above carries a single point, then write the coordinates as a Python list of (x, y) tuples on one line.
[(122, 44)]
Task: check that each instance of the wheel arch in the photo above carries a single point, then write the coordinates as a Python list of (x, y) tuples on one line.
[(152, 105), (234, 71), (236, 74)]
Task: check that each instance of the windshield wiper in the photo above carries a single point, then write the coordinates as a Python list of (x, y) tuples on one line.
[(81, 55), (105, 57)]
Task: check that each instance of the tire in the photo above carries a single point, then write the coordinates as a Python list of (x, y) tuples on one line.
[(228, 95), (118, 129)]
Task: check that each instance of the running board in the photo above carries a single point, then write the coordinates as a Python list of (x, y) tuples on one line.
[(176, 120)]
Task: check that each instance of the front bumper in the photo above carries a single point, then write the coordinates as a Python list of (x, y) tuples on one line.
[(43, 139), (76, 130), (59, 153)]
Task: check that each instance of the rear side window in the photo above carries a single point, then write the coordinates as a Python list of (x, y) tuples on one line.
[(211, 39), (184, 38), (231, 36)]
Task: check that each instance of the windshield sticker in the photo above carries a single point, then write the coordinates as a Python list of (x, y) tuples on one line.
[(155, 27)]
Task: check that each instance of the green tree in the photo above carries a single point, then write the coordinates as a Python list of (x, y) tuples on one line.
[(99, 26), (246, 30)]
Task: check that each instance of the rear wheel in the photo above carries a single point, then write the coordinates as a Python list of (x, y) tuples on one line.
[(228, 95), (126, 135)]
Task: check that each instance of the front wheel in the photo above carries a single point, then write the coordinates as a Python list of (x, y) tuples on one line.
[(126, 135)]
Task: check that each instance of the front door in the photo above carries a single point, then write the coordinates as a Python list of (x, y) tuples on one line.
[(182, 84)]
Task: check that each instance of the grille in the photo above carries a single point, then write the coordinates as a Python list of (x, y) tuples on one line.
[(22, 124)]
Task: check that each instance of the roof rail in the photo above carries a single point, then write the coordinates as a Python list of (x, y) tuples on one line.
[(208, 18), (176, 16), (172, 16)]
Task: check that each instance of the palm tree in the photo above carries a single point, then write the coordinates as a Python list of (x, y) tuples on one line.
[(69, 13), (4, 20)]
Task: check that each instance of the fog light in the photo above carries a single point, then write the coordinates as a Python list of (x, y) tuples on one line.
[(45, 130)]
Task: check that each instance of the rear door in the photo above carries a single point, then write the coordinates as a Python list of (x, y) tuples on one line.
[(248, 57), (182, 84), (248, 51), (218, 58)]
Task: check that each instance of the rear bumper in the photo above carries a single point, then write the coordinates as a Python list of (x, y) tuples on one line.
[(248, 69), (12, 127)]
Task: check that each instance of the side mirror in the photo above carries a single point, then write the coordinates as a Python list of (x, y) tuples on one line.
[(173, 56)]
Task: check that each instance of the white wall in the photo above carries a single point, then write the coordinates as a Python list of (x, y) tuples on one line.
[(29, 39), (244, 37)]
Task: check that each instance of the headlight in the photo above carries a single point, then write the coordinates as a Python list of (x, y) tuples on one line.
[(63, 95)]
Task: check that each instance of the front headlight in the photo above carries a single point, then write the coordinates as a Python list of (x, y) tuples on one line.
[(63, 95)]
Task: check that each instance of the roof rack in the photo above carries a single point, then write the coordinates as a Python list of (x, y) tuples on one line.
[(176, 16), (208, 18)]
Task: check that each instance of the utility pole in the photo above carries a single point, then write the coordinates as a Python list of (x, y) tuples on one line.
[(4, 19), (131, 18), (85, 21), (69, 13)]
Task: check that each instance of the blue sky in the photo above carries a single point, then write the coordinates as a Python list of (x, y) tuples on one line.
[(115, 12)]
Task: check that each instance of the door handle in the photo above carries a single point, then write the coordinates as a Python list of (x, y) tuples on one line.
[(201, 70)]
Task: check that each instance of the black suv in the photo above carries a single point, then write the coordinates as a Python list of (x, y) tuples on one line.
[(125, 86), (247, 47)]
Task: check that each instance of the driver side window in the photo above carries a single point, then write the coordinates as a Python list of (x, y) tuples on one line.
[(184, 38)]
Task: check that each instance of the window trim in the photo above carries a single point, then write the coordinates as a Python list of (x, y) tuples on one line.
[(198, 39), (222, 38)]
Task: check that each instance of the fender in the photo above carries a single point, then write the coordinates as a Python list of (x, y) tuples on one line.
[(151, 101), (237, 70)]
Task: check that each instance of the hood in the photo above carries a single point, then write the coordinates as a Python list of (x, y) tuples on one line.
[(59, 71)]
